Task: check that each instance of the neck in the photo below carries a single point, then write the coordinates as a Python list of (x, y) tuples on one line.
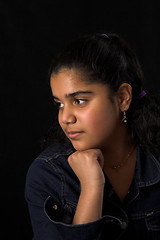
[(118, 149)]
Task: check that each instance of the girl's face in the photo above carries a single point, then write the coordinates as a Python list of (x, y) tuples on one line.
[(86, 114)]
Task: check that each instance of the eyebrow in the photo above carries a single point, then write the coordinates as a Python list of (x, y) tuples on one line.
[(74, 94)]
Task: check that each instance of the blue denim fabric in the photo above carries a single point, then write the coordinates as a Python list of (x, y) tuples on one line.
[(52, 192)]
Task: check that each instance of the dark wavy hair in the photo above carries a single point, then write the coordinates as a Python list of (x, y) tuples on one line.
[(108, 59)]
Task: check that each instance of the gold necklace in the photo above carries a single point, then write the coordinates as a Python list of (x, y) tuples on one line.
[(121, 164)]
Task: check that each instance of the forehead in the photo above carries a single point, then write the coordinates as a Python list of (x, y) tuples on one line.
[(70, 80), (68, 77)]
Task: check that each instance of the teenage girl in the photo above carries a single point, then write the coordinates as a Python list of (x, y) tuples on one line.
[(104, 183)]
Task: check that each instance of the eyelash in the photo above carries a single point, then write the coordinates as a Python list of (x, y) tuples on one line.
[(76, 102)]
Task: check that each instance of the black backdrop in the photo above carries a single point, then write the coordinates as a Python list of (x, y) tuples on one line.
[(31, 32)]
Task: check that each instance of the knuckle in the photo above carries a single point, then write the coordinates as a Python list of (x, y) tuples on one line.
[(70, 158)]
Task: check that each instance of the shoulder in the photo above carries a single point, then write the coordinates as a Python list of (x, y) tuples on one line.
[(56, 151), (147, 168), (53, 156), (50, 171)]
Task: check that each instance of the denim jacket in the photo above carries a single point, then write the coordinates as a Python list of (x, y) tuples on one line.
[(52, 192)]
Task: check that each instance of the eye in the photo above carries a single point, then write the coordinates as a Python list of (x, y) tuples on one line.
[(80, 101), (59, 104)]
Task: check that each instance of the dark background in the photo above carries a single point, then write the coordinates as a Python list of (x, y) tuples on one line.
[(31, 33)]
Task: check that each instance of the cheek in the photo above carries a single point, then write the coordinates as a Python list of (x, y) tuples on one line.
[(59, 120), (99, 120), (93, 118)]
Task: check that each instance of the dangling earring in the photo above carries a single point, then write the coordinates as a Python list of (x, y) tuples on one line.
[(124, 120)]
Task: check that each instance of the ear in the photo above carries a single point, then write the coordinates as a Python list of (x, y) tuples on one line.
[(124, 96)]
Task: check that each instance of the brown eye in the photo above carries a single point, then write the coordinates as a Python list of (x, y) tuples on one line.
[(80, 101)]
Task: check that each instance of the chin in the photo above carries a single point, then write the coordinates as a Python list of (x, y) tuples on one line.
[(82, 146)]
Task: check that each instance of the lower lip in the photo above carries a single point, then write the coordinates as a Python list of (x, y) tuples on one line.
[(74, 135)]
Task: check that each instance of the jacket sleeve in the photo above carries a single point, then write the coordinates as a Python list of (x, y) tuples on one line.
[(48, 218)]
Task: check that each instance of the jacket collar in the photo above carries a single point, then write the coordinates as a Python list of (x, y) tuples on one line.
[(147, 171)]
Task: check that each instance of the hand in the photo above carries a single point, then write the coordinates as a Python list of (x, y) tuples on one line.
[(88, 165)]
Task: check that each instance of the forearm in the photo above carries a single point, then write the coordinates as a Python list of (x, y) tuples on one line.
[(89, 207)]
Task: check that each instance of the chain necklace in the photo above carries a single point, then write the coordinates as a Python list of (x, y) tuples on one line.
[(121, 164)]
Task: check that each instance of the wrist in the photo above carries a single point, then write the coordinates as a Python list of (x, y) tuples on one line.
[(93, 185), (91, 189)]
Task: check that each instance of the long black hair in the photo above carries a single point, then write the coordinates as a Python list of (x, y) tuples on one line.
[(108, 59)]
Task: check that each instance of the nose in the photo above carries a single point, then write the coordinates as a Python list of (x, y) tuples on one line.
[(67, 116)]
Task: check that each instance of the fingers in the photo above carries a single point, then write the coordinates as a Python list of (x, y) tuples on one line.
[(88, 165)]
